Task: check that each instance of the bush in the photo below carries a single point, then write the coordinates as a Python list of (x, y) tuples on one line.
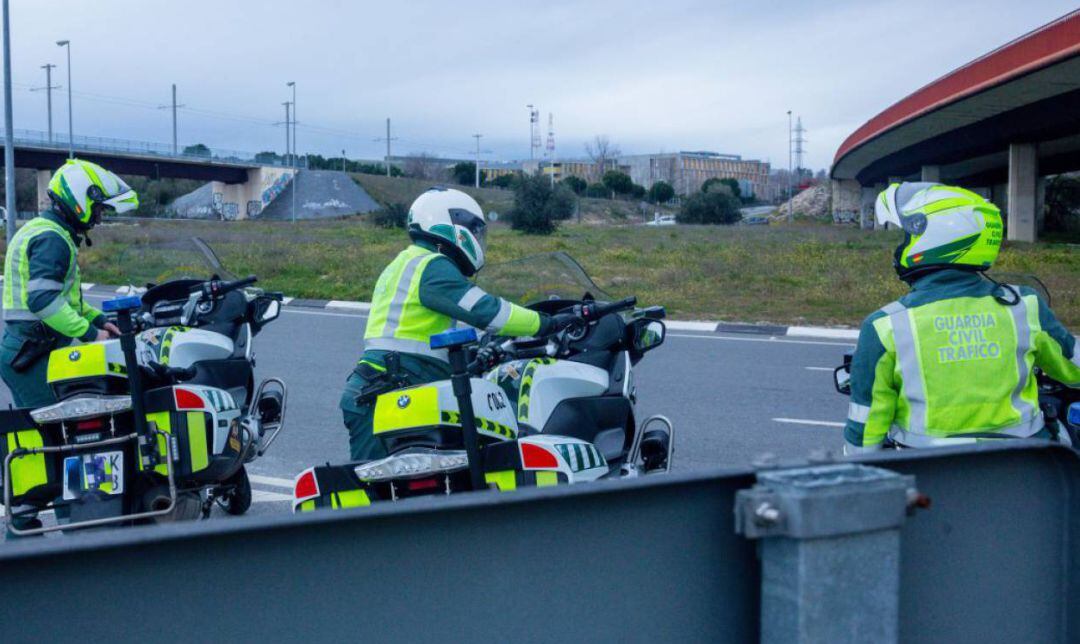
[(538, 207), (577, 184), (716, 207), (394, 215), (618, 182), (597, 191), (465, 173), (661, 192), (504, 181), (1062, 204)]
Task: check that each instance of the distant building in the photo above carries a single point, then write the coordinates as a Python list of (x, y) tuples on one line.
[(687, 171), (588, 170)]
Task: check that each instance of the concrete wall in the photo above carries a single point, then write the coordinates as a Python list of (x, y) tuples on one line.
[(846, 201), (246, 200)]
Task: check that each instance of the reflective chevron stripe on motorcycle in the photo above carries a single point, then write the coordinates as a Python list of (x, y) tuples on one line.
[(580, 456)]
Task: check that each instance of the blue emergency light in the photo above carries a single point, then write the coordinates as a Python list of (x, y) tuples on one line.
[(453, 338), (1074, 414), (126, 303)]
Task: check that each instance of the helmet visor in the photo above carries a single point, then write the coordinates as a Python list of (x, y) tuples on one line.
[(472, 222)]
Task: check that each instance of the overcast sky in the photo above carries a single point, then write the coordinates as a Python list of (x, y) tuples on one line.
[(661, 75)]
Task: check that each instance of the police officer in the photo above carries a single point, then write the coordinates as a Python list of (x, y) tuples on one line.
[(952, 360), (423, 292), (43, 303)]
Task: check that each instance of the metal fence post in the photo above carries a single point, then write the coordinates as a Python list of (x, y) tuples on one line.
[(830, 551)]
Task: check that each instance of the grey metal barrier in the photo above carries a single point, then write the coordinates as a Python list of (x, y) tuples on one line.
[(993, 558)]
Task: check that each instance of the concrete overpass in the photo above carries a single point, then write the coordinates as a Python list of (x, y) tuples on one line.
[(997, 125), (242, 186)]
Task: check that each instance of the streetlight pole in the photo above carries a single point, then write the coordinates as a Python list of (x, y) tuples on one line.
[(477, 168), (296, 158), (343, 160), (49, 87), (790, 217), (66, 44), (9, 134), (288, 156)]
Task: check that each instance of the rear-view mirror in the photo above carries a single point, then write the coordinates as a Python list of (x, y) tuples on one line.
[(648, 335), (842, 379)]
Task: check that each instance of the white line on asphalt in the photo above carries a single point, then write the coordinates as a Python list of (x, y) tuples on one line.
[(680, 325), (258, 496), (352, 306), (271, 481), (820, 368), (323, 313), (772, 339), (820, 332), (803, 421)]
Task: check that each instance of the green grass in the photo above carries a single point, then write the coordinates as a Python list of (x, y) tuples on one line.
[(787, 275)]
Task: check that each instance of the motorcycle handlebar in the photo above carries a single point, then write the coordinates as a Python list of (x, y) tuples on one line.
[(226, 287), (615, 307)]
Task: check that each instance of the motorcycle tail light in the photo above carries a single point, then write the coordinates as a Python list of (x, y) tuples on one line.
[(422, 484), (187, 399), (306, 486), (91, 425), (534, 457)]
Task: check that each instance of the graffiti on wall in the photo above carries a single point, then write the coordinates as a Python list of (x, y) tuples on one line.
[(218, 199), (230, 210), (254, 207), (275, 188)]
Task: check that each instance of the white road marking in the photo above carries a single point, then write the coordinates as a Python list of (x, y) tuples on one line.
[(803, 421), (271, 481), (87, 287), (821, 332), (352, 306), (773, 339), (678, 325), (286, 300), (820, 368), (258, 496), (301, 311)]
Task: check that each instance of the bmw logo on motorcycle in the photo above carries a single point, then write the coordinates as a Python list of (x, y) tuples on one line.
[(74, 356), (403, 401)]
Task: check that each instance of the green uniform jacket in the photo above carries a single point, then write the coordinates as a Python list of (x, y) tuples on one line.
[(948, 360)]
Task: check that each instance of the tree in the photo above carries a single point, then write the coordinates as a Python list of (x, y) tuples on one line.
[(661, 192), (577, 184), (597, 191), (1062, 204), (538, 207), (464, 173), (638, 191), (618, 182), (394, 215), (732, 186), (267, 157), (505, 180), (197, 150), (601, 151), (736, 190), (715, 207)]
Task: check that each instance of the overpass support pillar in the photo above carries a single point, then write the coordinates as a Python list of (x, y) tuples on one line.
[(1023, 192), (867, 197), (43, 201), (830, 544), (845, 201), (931, 173)]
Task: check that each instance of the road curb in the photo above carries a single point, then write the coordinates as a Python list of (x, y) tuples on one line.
[(694, 326)]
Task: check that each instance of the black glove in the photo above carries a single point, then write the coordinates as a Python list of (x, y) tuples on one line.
[(586, 312), (489, 355), (560, 321)]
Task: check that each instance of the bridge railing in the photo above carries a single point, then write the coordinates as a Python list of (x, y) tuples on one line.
[(38, 139)]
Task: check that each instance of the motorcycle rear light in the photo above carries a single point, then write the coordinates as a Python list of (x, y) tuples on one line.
[(306, 486), (90, 425), (187, 399), (422, 484), (81, 408), (534, 457), (412, 464)]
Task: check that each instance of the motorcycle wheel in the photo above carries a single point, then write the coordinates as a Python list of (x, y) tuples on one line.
[(238, 500)]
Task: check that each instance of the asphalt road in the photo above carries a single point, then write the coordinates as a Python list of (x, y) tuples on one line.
[(723, 392)]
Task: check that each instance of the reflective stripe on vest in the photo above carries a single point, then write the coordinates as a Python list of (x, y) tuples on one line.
[(1026, 429), (17, 282), (398, 321), (914, 373)]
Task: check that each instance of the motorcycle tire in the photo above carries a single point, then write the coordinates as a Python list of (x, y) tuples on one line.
[(238, 499)]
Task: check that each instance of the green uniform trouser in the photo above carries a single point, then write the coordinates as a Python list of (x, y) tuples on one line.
[(29, 388), (363, 446)]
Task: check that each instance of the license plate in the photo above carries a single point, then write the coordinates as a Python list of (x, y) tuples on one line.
[(103, 472)]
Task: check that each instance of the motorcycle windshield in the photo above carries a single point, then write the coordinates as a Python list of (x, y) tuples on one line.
[(1021, 279), (549, 276), (163, 261)]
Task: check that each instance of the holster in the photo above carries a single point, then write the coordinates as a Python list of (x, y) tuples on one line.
[(36, 344), (380, 382)]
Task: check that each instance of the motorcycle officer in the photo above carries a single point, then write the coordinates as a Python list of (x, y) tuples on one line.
[(44, 307), (952, 360), (423, 292)]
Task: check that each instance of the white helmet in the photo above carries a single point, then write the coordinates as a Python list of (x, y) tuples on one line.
[(83, 191), (442, 215)]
